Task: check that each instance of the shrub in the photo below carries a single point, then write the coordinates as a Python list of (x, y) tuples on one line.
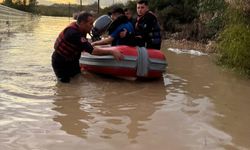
[(212, 15), (233, 42)]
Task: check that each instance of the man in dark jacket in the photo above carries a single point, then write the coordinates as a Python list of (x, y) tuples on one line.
[(147, 28), (69, 45)]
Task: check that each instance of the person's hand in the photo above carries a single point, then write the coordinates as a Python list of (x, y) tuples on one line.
[(123, 33), (117, 54), (93, 44), (138, 36)]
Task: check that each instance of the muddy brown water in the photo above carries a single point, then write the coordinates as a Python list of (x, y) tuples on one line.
[(196, 106)]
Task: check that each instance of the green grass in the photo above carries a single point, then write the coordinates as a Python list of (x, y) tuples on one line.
[(234, 47)]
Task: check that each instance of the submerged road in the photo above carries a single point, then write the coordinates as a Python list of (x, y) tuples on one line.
[(197, 105)]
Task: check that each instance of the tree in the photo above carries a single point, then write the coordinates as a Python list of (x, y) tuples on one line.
[(131, 5), (8, 3), (24, 2), (212, 15), (174, 12), (32, 5)]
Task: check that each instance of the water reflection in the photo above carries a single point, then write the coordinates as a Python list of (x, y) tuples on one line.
[(225, 91), (105, 108)]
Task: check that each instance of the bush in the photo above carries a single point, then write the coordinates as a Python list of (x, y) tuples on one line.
[(212, 15), (174, 12), (234, 46)]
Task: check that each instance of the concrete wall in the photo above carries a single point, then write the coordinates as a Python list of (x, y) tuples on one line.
[(11, 19)]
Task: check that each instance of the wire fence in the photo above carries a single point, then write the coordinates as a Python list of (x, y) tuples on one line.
[(11, 19)]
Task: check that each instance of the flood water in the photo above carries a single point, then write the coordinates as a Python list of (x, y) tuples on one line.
[(196, 106)]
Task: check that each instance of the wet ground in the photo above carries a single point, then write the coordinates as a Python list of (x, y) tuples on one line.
[(196, 105)]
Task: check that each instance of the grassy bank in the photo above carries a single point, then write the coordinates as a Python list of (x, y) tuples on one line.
[(234, 41)]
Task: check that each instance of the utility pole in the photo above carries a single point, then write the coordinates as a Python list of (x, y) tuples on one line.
[(69, 12), (81, 5), (98, 5)]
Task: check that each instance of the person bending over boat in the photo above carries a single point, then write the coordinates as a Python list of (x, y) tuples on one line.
[(120, 23), (69, 45)]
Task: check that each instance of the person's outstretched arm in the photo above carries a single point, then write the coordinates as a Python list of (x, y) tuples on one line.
[(107, 40), (107, 51)]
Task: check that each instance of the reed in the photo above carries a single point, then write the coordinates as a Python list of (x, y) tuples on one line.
[(233, 42)]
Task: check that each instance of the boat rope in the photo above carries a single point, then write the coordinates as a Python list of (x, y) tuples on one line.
[(142, 62)]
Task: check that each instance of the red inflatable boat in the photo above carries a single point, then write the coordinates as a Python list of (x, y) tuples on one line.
[(137, 62)]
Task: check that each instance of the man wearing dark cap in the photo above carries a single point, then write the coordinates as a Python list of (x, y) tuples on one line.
[(119, 24), (69, 45)]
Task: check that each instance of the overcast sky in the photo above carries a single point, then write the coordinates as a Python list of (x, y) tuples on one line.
[(103, 3)]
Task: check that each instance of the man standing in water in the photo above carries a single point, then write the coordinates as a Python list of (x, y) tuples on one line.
[(69, 45)]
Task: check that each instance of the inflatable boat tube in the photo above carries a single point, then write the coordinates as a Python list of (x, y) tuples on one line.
[(137, 62)]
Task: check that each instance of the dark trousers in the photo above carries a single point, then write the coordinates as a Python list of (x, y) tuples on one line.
[(64, 68)]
